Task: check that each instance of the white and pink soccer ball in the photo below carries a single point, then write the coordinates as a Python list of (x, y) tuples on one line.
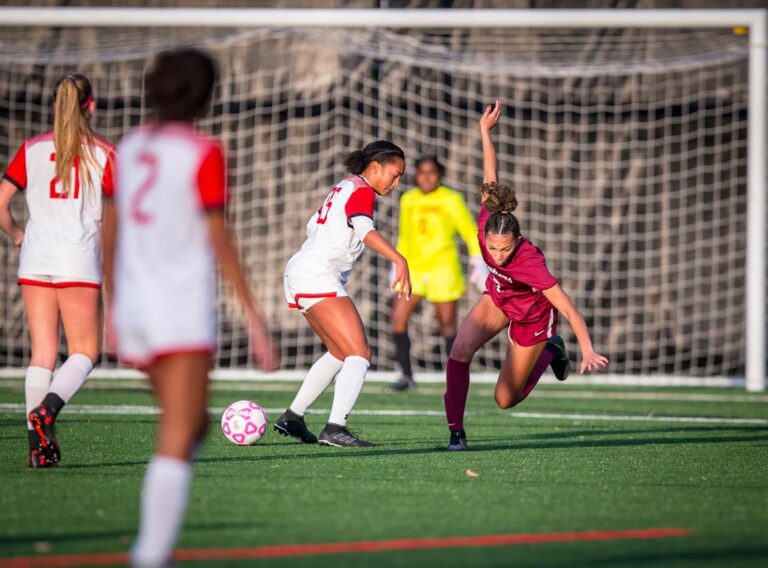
[(244, 423)]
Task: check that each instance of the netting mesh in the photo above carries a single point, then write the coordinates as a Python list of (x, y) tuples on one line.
[(627, 149)]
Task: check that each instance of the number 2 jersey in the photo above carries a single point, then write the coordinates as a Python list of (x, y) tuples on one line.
[(62, 237), (165, 268), (516, 286)]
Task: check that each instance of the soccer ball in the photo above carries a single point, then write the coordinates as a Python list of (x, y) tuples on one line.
[(244, 423)]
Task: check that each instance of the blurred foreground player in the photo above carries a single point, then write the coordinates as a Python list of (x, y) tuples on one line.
[(165, 229)]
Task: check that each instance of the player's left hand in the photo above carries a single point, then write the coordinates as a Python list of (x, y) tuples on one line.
[(401, 285), (479, 272), (592, 361)]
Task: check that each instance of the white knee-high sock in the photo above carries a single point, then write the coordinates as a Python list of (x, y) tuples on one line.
[(36, 384), (163, 504), (349, 383), (71, 376), (319, 377)]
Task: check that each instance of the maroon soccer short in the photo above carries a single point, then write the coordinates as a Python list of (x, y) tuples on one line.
[(528, 334)]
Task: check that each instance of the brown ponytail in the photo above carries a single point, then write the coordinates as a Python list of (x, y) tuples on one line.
[(500, 201), (72, 134)]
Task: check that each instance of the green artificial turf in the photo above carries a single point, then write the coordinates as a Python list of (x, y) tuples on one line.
[(536, 475)]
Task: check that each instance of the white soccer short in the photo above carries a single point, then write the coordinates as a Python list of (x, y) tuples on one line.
[(307, 282), (176, 326)]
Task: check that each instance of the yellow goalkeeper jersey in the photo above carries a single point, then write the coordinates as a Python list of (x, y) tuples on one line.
[(429, 224)]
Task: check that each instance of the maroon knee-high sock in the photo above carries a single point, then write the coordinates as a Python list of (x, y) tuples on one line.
[(457, 388), (538, 369)]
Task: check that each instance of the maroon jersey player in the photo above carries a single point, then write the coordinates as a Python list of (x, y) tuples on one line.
[(520, 295)]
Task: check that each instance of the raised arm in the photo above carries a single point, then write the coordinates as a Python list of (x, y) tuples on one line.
[(402, 281), (7, 222), (489, 119), (590, 361)]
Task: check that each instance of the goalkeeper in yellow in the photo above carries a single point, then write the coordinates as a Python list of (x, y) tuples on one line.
[(431, 216)]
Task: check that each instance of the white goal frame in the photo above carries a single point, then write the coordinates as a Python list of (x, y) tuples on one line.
[(755, 20)]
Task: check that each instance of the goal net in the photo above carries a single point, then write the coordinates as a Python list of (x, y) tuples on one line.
[(627, 149)]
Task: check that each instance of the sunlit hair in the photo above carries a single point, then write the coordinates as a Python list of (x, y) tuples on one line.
[(73, 137), (500, 201), (381, 151)]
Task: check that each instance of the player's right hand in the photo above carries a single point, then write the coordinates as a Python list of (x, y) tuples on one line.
[(490, 116), (264, 353), (402, 281)]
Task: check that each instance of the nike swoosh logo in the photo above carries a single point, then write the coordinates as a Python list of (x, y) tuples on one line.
[(538, 333)]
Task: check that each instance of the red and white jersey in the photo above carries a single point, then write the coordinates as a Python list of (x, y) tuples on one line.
[(165, 269), (63, 235), (331, 238)]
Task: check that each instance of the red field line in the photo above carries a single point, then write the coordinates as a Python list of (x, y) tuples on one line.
[(286, 550)]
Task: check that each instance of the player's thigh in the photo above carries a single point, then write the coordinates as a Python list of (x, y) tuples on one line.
[(483, 322), (446, 313), (340, 321), (80, 308), (327, 340), (180, 383), (402, 309), (42, 309), (514, 373)]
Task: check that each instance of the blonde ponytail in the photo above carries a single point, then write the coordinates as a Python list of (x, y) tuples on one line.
[(72, 134)]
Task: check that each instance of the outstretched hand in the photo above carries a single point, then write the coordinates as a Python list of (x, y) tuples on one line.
[(490, 116), (592, 362), (262, 349)]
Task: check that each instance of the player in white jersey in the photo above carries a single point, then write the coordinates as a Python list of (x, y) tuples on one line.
[(62, 173), (164, 231), (314, 284)]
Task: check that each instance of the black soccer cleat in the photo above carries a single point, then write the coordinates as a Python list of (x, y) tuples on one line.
[(561, 363), (340, 437), (458, 442), (291, 424), (403, 384), (44, 423)]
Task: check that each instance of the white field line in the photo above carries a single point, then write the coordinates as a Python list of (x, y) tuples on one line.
[(297, 375), (564, 393), (135, 410)]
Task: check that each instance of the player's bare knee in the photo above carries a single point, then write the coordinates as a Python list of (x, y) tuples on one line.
[(504, 400), (462, 351), (448, 329)]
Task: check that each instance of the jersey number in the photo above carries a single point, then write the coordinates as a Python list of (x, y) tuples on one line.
[(137, 213), (322, 213), (54, 194)]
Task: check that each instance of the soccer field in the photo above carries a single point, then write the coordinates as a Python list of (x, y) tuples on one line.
[(575, 476)]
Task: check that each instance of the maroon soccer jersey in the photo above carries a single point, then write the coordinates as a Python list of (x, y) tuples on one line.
[(516, 287)]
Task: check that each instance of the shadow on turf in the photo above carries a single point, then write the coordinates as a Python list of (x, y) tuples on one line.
[(549, 440), (88, 536)]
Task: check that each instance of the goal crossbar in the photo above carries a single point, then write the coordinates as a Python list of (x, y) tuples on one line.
[(754, 20)]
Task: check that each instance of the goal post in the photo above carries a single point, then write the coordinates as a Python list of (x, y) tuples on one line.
[(753, 21)]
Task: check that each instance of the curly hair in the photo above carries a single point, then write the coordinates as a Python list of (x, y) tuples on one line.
[(500, 201)]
